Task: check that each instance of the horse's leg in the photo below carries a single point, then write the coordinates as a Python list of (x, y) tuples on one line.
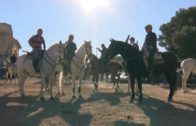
[(21, 82), (62, 83), (80, 83), (184, 80), (113, 80), (94, 82), (118, 80), (50, 86), (132, 80), (129, 84), (73, 88), (139, 83), (97, 79), (172, 78), (43, 83)]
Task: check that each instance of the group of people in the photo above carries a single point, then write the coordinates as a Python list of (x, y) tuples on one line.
[(37, 42), (149, 47), (38, 45)]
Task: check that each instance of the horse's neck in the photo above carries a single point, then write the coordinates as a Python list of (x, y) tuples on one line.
[(51, 52), (81, 52)]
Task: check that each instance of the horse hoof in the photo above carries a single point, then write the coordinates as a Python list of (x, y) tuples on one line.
[(131, 100), (80, 96), (74, 97), (22, 96), (51, 98), (169, 100), (185, 91)]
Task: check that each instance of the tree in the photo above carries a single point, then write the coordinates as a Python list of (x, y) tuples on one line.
[(179, 35)]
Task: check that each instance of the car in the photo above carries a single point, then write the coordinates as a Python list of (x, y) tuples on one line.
[(124, 77)]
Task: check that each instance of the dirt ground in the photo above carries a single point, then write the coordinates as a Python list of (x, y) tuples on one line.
[(103, 108)]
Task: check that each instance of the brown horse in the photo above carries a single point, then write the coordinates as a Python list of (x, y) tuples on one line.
[(98, 67)]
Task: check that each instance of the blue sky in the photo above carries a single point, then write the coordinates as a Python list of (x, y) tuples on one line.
[(98, 23)]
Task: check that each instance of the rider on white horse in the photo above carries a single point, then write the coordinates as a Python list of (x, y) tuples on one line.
[(36, 43), (70, 47)]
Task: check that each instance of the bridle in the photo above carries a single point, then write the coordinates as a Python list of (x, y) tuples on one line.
[(52, 62), (89, 54)]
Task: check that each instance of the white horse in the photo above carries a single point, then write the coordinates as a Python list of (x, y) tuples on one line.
[(25, 68), (77, 65), (11, 70), (188, 66)]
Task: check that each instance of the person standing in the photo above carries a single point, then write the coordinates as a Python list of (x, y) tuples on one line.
[(102, 51), (13, 59), (133, 43), (150, 47), (36, 42)]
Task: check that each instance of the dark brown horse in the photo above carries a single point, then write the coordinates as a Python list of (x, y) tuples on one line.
[(111, 68), (137, 69)]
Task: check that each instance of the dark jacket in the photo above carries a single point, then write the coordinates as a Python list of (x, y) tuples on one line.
[(151, 41), (71, 48)]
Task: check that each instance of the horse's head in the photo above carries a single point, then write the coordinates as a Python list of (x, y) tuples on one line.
[(88, 48), (61, 51), (113, 49), (5, 62)]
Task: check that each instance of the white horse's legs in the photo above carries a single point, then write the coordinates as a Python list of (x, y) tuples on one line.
[(21, 82), (184, 80), (42, 86), (60, 83), (50, 90), (74, 87)]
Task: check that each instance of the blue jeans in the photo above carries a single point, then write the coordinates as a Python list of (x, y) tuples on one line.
[(36, 58)]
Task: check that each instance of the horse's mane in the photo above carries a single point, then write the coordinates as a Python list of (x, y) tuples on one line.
[(53, 46), (127, 47)]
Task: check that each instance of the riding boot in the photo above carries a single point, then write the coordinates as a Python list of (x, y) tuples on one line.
[(65, 69), (35, 65), (69, 66)]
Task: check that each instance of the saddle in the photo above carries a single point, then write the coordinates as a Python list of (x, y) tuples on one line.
[(158, 59), (35, 64)]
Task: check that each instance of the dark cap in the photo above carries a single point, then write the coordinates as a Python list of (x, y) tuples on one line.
[(132, 39), (39, 30), (71, 36), (148, 26)]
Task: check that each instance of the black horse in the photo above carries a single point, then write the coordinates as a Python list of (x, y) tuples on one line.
[(137, 69)]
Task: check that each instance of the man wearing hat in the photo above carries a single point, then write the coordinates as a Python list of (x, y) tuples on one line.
[(150, 45)]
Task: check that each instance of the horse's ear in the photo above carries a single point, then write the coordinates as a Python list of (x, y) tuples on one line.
[(60, 42), (111, 40)]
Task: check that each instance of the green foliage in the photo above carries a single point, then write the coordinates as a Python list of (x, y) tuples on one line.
[(179, 35)]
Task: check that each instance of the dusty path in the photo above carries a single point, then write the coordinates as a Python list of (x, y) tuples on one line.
[(104, 108)]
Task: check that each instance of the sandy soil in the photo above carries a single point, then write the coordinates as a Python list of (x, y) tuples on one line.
[(103, 108)]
